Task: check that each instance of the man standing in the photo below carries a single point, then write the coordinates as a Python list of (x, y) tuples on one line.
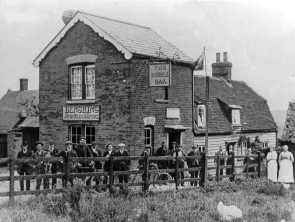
[(122, 165), (108, 153), (194, 162), (179, 153), (40, 166), (54, 165), (69, 164), (24, 168), (84, 166), (162, 151)]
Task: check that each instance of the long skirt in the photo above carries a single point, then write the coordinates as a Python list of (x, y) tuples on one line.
[(272, 170), (286, 171)]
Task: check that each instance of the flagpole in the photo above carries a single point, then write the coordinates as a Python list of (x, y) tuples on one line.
[(207, 116)]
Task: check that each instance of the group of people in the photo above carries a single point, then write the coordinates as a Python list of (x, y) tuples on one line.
[(67, 164), (280, 166)]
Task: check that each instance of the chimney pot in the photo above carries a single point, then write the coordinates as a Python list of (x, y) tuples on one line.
[(23, 84), (224, 56), (217, 56)]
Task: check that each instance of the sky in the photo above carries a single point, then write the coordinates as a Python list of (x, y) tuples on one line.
[(258, 36)]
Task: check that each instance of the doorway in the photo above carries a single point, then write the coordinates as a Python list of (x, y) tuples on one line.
[(174, 136)]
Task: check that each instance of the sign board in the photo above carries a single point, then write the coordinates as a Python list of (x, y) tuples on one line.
[(159, 74), (87, 112)]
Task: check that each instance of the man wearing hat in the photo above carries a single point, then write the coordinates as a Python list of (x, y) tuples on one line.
[(40, 166), (122, 165), (194, 162), (67, 154), (24, 168), (84, 166), (162, 151)]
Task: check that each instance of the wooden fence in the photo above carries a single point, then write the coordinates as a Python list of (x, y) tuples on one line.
[(146, 171)]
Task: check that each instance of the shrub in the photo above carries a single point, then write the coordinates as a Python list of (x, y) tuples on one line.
[(270, 188)]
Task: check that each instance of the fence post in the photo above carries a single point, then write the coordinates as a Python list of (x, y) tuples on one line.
[(247, 165), (111, 172), (146, 173), (11, 181), (176, 171), (218, 167), (259, 164), (67, 170), (233, 166)]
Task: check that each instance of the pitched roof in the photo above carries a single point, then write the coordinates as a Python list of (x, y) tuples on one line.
[(13, 103), (30, 121), (255, 113), (128, 38)]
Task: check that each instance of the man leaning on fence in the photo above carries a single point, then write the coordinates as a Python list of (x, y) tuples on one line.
[(24, 168), (69, 164), (84, 166), (194, 162), (55, 164), (122, 165), (40, 167), (162, 151), (107, 153)]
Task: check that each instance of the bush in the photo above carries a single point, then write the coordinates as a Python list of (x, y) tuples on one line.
[(270, 188)]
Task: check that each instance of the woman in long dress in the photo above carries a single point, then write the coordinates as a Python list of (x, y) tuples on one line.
[(272, 165), (286, 160)]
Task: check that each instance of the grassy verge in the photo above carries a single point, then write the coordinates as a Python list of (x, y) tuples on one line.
[(258, 199)]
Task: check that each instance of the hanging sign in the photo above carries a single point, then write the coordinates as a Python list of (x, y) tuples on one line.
[(87, 112), (159, 74)]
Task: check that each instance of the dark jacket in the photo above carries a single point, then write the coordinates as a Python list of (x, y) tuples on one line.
[(195, 162), (40, 165), (97, 164), (121, 165), (55, 166), (27, 166), (84, 151), (106, 165), (162, 164), (71, 162)]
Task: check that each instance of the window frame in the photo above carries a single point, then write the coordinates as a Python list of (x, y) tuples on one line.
[(204, 112), (237, 111), (83, 133), (71, 82), (151, 136), (84, 67)]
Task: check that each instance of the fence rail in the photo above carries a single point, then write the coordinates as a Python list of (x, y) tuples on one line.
[(146, 171)]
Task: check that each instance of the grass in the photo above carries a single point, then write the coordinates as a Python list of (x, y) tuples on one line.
[(258, 199)]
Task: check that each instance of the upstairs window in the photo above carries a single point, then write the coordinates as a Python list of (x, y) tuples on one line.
[(236, 120), (82, 82), (201, 116)]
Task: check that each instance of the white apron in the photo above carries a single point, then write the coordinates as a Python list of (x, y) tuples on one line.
[(272, 166), (286, 167)]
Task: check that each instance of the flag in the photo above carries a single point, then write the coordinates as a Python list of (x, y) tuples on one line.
[(199, 63)]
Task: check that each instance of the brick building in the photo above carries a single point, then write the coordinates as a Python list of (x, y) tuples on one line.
[(112, 82)]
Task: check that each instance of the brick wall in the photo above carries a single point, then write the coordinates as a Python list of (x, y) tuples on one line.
[(122, 90)]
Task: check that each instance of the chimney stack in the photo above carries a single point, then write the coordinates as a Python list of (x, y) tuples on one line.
[(23, 84), (222, 69), (217, 56)]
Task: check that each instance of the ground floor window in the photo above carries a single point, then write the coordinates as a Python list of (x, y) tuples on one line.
[(76, 131)]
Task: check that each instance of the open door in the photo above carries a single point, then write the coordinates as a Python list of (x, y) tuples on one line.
[(174, 136)]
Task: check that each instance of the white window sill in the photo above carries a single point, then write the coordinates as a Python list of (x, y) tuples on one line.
[(161, 101), (80, 101)]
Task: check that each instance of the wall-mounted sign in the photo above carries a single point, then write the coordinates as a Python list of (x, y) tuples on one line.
[(159, 74), (88, 112)]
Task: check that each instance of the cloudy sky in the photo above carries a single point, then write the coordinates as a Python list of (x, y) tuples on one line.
[(259, 37)]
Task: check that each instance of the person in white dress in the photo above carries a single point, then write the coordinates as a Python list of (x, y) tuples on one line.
[(286, 160), (272, 165)]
